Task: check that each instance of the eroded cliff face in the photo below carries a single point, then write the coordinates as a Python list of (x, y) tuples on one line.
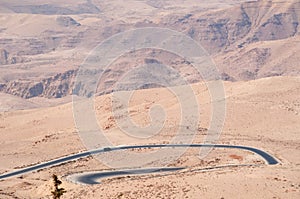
[(241, 25), (57, 86)]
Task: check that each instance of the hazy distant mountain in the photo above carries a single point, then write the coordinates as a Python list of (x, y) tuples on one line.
[(42, 44)]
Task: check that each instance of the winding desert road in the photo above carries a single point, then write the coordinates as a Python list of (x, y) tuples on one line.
[(91, 178), (267, 157)]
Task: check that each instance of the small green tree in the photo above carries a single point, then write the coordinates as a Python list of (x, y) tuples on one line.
[(58, 192)]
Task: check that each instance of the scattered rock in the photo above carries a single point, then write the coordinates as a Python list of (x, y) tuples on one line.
[(67, 21), (3, 56)]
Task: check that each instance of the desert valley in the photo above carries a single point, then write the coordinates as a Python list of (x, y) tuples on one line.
[(250, 50)]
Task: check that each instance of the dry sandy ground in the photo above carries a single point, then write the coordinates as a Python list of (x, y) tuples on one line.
[(263, 113)]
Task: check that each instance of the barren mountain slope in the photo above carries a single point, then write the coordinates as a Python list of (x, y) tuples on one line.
[(261, 113), (247, 41)]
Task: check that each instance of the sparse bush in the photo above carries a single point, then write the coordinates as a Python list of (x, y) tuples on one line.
[(58, 192)]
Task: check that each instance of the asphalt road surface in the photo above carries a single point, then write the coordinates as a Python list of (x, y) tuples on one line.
[(267, 157)]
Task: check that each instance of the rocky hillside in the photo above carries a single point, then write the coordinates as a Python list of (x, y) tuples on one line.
[(42, 45), (57, 86), (240, 25)]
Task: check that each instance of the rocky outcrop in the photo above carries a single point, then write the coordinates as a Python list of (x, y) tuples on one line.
[(156, 3), (57, 86), (17, 48), (226, 77), (3, 56), (67, 21), (279, 26), (246, 65)]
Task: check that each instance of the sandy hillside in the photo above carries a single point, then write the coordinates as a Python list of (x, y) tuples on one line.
[(262, 113)]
